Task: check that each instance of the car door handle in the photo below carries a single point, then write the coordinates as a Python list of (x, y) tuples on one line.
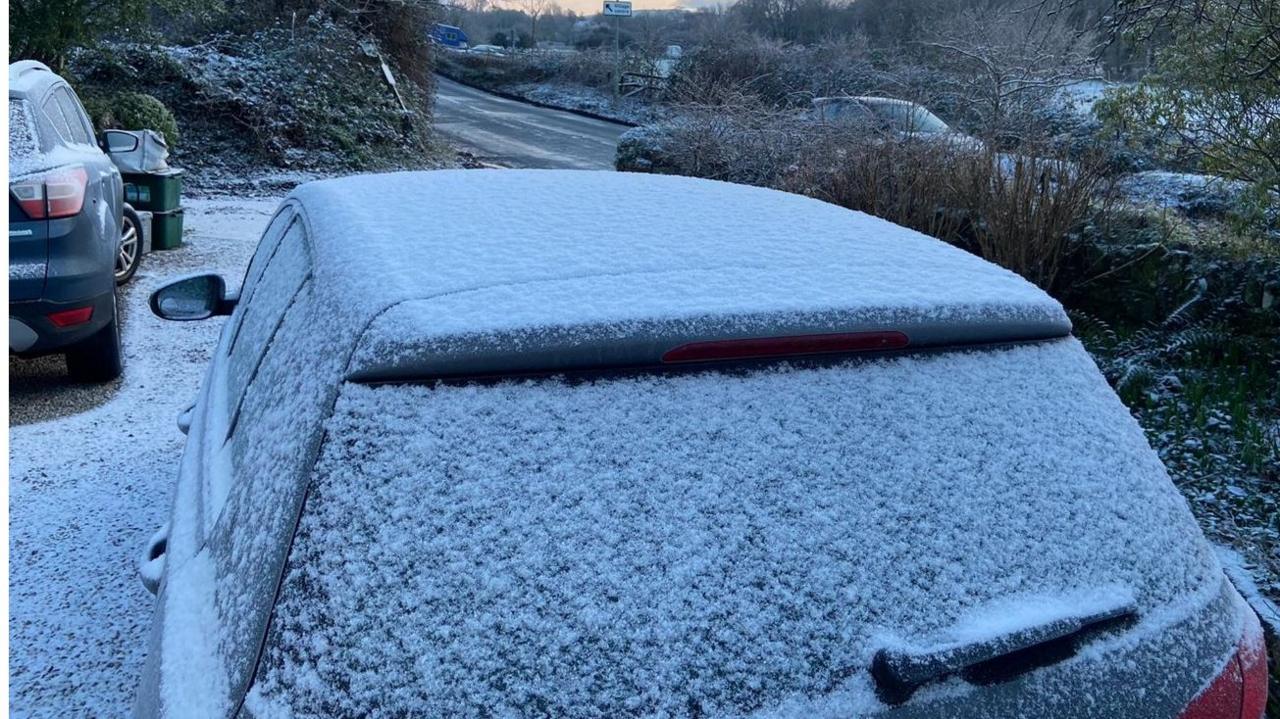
[(151, 563), (184, 418)]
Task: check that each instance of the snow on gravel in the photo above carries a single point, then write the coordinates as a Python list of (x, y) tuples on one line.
[(86, 491)]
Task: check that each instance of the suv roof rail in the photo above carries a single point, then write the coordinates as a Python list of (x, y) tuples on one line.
[(20, 73), (22, 67)]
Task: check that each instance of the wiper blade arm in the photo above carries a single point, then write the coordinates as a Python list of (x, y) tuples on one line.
[(898, 674)]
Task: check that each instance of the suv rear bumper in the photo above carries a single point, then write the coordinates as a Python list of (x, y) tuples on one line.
[(32, 334)]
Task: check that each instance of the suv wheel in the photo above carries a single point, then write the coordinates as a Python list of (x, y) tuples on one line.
[(99, 357), (129, 252)]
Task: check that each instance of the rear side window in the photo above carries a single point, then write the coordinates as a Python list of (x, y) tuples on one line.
[(275, 439), (264, 309), (53, 113), (267, 247), (259, 318), (77, 123)]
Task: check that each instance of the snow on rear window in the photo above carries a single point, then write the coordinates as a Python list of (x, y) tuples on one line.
[(708, 544), (24, 145)]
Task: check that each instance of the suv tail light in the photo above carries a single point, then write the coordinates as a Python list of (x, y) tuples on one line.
[(70, 318), (1240, 691), (57, 193)]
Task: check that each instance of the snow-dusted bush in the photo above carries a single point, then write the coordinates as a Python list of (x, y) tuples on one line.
[(133, 111), (736, 141), (777, 74)]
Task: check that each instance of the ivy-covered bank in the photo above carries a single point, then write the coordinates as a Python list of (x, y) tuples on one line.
[(311, 97)]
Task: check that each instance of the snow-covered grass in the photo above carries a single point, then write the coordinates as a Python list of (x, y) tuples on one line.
[(87, 491)]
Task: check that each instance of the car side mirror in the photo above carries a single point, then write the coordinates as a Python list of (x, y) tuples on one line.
[(196, 297), (117, 141)]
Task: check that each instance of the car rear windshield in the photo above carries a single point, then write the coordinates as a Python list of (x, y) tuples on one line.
[(905, 117), (706, 543)]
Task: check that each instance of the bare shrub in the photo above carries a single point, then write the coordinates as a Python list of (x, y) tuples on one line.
[(1022, 212), (1028, 209), (714, 74), (1019, 211), (909, 183), (777, 74)]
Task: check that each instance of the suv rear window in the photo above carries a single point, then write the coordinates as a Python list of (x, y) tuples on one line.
[(704, 543), (24, 145), (53, 113), (74, 115)]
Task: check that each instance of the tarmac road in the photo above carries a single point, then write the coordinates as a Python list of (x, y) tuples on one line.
[(515, 134)]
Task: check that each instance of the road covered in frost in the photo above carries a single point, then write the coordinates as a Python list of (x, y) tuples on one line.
[(509, 133), (91, 477)]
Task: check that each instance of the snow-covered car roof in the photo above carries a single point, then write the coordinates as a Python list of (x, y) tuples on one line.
[(452, 268), (27, 75)]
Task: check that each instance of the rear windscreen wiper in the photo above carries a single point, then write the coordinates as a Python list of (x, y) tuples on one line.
[(898, 674)]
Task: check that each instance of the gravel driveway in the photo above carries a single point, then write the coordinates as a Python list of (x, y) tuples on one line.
[(91, 475)]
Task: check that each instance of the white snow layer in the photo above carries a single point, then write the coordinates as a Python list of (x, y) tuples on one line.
[(714, 544), (565, 248), (25, 155), (23, 143)]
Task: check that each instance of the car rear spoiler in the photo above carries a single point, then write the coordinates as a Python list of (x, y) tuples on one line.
[(384, 357)]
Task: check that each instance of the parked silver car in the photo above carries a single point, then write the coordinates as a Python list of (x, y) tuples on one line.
[(696, 449), (885, 113)]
